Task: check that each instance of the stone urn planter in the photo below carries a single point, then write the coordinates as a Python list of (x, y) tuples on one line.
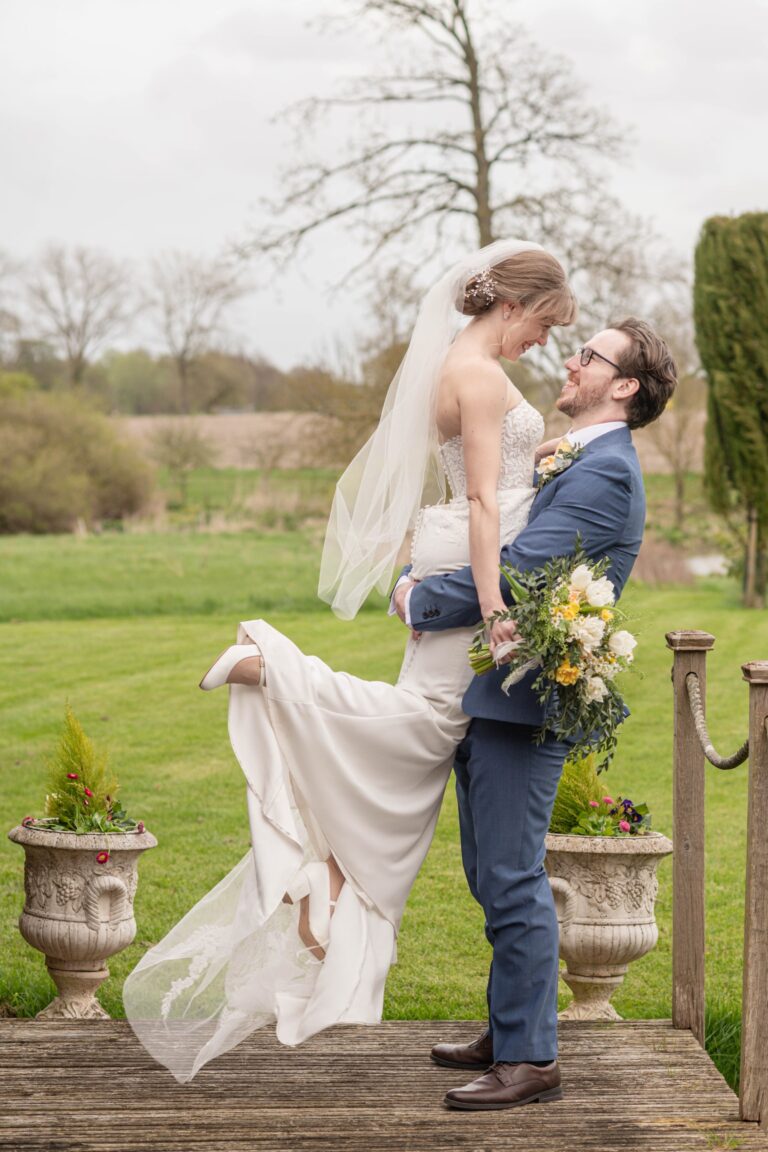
[(79, 908), (605, 889)]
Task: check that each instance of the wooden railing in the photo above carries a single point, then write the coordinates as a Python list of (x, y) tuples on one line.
[(692, 748)]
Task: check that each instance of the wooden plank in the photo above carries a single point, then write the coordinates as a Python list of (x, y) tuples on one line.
[(690, 655), (754, 1012), (90, 1087)]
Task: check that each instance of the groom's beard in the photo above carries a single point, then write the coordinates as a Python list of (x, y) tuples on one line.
[(577, 399)]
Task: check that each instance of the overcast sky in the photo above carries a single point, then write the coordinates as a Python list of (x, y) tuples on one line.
[(139, 125)]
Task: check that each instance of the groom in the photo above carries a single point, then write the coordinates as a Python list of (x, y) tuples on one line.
[(506, 784)]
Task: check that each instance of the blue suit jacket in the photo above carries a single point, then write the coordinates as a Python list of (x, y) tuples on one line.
[(601, 498)]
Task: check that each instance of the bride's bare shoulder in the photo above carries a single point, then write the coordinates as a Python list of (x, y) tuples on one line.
[(465, 372)]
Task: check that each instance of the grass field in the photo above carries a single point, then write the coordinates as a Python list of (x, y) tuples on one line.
[(122, 627), (289, 499)]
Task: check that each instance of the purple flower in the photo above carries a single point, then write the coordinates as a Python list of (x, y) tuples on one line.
[(626, 804)]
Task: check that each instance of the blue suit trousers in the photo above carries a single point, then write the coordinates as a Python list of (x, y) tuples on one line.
[(506, 786)]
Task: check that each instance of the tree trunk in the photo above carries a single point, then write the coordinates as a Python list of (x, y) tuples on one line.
[(76, 370), (483, 210), (751, 593), (761, 567), (183, 370), (679, 499)]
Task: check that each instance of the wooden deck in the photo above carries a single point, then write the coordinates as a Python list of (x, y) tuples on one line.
[(90, 1087)]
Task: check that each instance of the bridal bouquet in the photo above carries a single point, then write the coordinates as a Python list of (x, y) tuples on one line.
[(570, 629)]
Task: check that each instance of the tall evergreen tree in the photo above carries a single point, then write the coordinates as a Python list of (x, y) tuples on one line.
[(730, 302)]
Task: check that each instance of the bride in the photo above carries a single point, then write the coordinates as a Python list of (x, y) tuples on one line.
[(345, 776)]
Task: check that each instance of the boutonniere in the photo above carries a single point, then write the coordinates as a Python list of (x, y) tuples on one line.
[(551, 466)]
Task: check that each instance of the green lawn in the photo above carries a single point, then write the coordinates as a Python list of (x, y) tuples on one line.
[(122, 626)]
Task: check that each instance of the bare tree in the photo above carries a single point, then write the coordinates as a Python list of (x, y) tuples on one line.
[(10, 323), (191, 295), (505, 141), (80, 297), (180, 448)]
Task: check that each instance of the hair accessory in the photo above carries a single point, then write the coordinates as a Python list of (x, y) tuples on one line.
[(483, 286)]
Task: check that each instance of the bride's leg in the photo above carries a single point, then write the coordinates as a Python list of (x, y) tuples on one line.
[(336, 877), (335, 884), (248, 671), (235, 666)]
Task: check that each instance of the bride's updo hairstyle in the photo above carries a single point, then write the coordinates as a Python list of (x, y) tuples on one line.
[(533, 279)]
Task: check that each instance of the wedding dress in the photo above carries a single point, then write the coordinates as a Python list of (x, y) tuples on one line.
[(333, 764)]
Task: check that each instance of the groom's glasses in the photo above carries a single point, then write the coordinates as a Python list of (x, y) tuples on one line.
[(586, 354)]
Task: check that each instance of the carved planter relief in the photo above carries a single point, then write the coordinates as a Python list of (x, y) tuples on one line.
[(605, 890), (79, 908)]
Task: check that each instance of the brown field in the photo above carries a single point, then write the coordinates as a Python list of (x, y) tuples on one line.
[(300, 439)]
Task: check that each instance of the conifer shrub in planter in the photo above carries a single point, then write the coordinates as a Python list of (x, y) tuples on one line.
[(80, 874)]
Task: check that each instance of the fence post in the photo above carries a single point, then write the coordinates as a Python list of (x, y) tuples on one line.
[(690, 649), (753, 1084)]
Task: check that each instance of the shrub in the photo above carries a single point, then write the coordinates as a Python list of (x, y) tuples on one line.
[(61, 463), (16, 383), (578, 785), (81, 788)]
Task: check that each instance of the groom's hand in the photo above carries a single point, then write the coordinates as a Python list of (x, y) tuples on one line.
[(399, 600)]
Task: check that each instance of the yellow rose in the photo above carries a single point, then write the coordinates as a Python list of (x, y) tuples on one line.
[(606, 614), (570, 611), (567, 673)]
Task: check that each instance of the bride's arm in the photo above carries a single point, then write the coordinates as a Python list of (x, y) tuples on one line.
[(482, 404)]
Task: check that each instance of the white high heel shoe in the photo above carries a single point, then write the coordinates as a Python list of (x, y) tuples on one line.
[(314, 881), (218, 674)]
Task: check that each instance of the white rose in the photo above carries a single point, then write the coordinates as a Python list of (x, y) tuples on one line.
[(595, 689), (621, 644), (600, 593), (581, 578), (588, 630)]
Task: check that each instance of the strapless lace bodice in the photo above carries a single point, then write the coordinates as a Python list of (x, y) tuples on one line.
[(523, 430), (441, 536)]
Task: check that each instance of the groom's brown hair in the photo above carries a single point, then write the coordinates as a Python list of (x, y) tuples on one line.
[(649, 360)]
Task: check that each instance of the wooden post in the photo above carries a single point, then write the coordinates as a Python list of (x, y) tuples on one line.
[(753, 1085), (690, 649)]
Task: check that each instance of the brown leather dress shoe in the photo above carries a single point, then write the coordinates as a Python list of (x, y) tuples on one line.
[(508, 1086), (475, 1056)]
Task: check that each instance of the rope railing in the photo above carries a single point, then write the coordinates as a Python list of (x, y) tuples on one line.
[(707, 747), (693, 747)]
